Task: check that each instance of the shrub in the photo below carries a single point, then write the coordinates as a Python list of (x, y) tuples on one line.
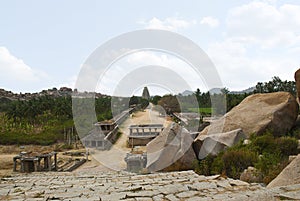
[(235, 161), (264, 143), (204, 167), (270, 164), (287, 145)]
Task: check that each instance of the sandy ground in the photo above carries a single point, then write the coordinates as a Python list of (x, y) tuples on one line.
[(114, 158)]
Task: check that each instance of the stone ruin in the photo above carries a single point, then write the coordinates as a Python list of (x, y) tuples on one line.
[(105, 133), (136, 162), (102, 136), (30, 162), (142, 134)]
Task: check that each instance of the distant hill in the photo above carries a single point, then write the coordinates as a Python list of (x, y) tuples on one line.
[(218, 91), (249, 90), (54, 92), (215, 91), (187, 93)]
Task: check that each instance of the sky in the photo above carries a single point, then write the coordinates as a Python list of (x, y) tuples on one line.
[(44, 44)]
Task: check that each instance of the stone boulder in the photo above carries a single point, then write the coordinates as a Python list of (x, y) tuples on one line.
[(297, 79), (289, 175), (215, 143), (171, 150), (252, 175), (257, 113)]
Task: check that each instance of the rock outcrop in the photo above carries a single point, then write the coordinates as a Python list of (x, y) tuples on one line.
[(297, 79), (289, 176), (171, 150), (257, 113), (215, 143)]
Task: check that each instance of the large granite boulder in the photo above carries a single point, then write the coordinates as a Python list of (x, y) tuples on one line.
[(215, 143), (289, 175), (257, 113), (297, 79), (171, 150)]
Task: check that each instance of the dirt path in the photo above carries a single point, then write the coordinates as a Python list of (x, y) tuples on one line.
[(114, 158)]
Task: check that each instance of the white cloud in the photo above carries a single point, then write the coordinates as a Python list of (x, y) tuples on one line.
[(239, 70), (170, 23), (261, 40), (14, 72), (210, 21), (265, 24)]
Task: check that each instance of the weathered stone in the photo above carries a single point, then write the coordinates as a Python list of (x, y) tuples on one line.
[(172, 189), (172, 197), (297, 79), (290, 175), (159, 197), (257, 113), (171, 150), (251, 175), (224, 183), (215, 143), (202, 185), (187, 194), (238, 182), (184, 185)]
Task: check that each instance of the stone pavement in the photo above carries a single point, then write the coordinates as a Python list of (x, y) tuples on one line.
[(103, 186)]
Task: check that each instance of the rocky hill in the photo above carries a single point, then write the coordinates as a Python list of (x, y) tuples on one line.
[(54, 92)]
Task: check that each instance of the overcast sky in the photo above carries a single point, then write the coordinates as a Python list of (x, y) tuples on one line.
[(44, 43)]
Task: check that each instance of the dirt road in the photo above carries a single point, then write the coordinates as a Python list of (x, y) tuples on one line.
[(114, 158)]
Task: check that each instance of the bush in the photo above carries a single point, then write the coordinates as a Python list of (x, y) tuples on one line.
[(266, 153), (267, 143), (235, 161), (264, 143), (287, 145), (270, 164), (204, 167)]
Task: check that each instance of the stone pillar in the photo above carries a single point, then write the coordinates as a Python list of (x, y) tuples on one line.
[(39, 164), (15, 165), (49, 162), (22, 165), (45, 163), (35, 164), (297, 79), (55, 161)]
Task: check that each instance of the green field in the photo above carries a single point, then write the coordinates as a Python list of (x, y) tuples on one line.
[(205, 110)]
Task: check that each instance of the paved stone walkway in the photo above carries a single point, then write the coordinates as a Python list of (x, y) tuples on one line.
[(185, 185)]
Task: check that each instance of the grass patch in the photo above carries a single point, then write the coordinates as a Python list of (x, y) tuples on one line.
[(203, 110)]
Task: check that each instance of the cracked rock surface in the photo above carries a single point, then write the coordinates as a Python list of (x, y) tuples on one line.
[(185, 185)]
